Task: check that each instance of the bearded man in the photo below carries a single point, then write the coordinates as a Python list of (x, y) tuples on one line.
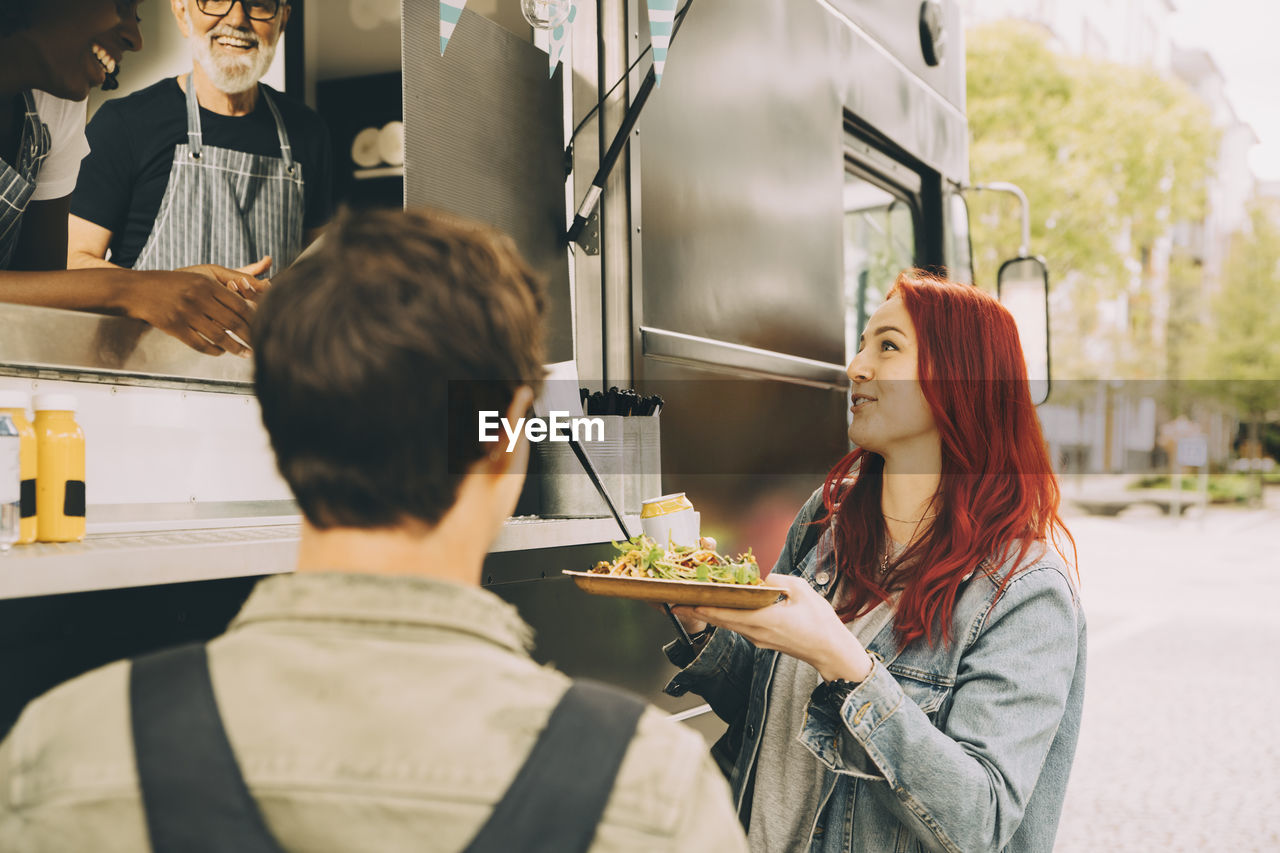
[(210, 167)]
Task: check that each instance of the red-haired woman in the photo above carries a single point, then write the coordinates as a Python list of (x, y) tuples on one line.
[(920, 686)]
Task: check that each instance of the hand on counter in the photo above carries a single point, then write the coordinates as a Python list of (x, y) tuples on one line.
[(240, 280), (197, 306)]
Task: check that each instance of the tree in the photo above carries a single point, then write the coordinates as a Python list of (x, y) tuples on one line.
[(1110, 157), (1242, 353), (1185, 331)]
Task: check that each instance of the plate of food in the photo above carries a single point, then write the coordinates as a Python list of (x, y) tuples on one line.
[(678, 574)]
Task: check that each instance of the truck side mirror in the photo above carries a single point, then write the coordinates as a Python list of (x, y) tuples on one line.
[(1023, 288)]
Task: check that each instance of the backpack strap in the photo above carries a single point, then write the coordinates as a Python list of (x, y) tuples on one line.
[(193, 794), (558, 796), (196, 799)]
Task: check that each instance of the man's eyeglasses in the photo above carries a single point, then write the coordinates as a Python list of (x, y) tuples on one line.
[(257, 10)]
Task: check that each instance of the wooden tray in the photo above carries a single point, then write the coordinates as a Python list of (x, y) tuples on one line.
[(737, 596)]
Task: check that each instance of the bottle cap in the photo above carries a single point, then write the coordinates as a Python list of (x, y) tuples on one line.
[(55, 403), (14, 400)]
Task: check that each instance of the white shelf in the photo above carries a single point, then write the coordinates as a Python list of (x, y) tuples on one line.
[(216, 550), (115, 561)]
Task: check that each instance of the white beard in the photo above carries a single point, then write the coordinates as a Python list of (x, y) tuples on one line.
[(229, 74)]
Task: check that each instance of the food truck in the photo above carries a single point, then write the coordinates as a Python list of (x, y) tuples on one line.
[(795, 156)]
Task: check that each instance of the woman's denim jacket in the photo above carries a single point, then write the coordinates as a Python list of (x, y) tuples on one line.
[(962, 747)]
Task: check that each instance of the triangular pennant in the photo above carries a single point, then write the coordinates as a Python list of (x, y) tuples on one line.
[(662, 15), (450, 11), (559, 36)]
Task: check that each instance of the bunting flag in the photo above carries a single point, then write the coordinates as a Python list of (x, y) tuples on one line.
[(662, 15), (559, 36), (450, 11)]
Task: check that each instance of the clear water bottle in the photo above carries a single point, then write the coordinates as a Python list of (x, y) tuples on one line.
[(10, 483)]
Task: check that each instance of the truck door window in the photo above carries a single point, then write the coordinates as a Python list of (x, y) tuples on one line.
[(959, 253), (879, 242)]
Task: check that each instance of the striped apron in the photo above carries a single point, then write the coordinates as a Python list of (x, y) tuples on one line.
[(17, 183), (227, 207)]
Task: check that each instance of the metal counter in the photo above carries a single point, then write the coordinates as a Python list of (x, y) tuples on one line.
[(49, 343)]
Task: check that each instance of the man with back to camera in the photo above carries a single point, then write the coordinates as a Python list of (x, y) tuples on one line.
[(376, 699), (208, 167)]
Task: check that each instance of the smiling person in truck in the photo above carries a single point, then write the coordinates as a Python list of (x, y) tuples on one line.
[(210, 167), (52, 52)]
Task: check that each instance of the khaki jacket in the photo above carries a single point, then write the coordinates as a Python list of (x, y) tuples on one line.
[(368, 714)]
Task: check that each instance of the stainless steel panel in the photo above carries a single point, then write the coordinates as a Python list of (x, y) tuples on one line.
[(882, 94), (742, 165), (50, 343), (735, 359), (484, 138), (637, 43), (894, 24), (617, 28), (588, 86)]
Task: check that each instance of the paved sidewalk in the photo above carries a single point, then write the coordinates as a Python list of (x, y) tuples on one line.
[(1180, 745)]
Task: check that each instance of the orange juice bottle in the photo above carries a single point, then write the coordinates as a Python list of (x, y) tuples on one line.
[(60, 469), (14, 404)]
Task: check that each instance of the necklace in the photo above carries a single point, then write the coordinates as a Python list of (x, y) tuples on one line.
[(890, 554), (905, 521), (884, 562)]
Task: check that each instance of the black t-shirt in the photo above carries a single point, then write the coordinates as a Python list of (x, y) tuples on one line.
[(131, 141)]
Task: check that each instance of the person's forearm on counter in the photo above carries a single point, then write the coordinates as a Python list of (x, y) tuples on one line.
[(202, 307), (104, 291)]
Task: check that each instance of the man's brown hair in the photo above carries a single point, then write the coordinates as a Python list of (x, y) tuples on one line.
[(375, 352)]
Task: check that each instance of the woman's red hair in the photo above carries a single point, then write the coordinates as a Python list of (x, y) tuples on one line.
[(997, 490)]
